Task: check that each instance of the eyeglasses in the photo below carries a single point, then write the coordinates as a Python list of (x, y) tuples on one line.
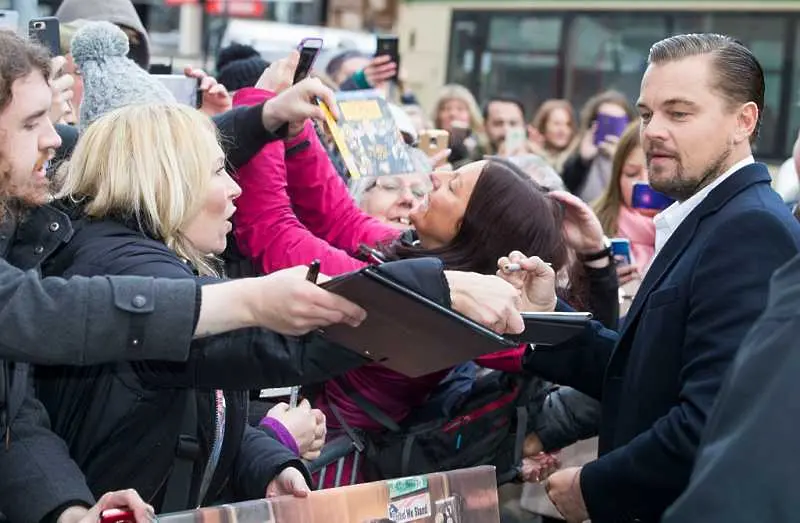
[(396, 187)]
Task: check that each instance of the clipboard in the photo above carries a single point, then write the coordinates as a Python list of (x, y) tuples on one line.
[(552, 328), (408, 332)]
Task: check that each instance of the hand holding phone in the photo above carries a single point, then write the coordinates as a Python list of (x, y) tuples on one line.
[(515, 140), (47, 31), (309, 49), (608, 125), (433, 141), (621, 251), (389, 45)]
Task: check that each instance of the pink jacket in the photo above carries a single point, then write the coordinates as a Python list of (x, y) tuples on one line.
[(284, 221)]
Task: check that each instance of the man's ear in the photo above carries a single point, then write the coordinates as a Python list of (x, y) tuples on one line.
[(747, 119)]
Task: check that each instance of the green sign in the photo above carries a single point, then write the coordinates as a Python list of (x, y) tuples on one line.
[(402, 487)]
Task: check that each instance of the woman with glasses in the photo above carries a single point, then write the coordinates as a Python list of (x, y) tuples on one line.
[(392, 199)]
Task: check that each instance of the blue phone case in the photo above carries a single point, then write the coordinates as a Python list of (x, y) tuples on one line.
[(621, 250)]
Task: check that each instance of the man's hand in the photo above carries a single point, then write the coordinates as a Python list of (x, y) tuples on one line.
[(61, 87), (536, 281), (289, 482), (279, 75), (297, 104), (306, 425), (489, 300), (216, 99), (124, 499), (288, 304), (564, 490)]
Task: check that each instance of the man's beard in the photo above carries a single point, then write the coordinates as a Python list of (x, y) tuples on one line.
[(679, 187)]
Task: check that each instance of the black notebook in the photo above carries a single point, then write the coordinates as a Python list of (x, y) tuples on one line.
[(415, 336)]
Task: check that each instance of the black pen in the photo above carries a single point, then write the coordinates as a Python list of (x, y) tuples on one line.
[(313, 271)]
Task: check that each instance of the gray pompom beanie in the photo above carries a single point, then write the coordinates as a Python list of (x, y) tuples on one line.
[(110, 79)]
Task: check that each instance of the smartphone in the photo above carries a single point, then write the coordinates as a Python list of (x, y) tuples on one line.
[(115, 515), (186, 90), (433, 141), (645, 197), (9, 20), (389, 45), (309, 50), (46, 31), (515, 140), (621, 251), (609, 126)]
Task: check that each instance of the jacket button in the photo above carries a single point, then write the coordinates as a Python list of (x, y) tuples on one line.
[(54, 227), (139, 301), (38, 249)]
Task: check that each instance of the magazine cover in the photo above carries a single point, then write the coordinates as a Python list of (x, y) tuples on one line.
[(367, 136)]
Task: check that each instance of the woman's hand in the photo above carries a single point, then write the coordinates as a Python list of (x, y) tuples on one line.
[(539, 467), (489, 300), (123, 499), (306, 425), (279, 76), (290, 482), (380, 70), (61, 87), (608, 147), (582, 230), (627, 273), (215, 97), (535, 280), (588, 150)]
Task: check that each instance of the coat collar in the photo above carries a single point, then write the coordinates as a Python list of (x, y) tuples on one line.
[(742, 179)]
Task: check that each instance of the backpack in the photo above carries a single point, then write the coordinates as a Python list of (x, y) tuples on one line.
[(486, 427)]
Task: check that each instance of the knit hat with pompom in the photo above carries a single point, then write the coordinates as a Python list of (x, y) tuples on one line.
[(110, 79)]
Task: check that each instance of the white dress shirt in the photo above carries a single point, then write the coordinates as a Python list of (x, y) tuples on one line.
[(668, 220)]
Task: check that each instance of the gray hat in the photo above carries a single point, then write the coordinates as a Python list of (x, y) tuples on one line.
[(110, 79)]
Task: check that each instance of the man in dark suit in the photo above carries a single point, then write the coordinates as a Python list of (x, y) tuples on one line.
[(746, 467), (716, 248)]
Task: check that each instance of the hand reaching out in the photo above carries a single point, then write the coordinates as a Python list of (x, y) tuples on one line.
[(215, 97), (61, 87), (582, 229), (489, 300), (290, 482)]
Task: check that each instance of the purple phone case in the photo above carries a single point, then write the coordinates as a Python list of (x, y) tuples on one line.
[(645, 197), (304, 67), (609, 125)]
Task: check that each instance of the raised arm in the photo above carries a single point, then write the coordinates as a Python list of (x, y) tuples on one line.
[(319, 195)]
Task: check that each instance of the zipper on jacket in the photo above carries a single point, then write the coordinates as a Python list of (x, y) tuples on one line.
[(219, 406)]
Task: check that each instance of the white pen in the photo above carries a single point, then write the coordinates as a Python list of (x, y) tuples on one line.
[(515, 267)]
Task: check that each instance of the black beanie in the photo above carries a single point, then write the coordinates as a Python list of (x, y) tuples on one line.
[(239, 66)]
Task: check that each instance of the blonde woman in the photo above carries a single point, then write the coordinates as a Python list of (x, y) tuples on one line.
[(150, 197), (552, 131), (587, 169), (457, 112)]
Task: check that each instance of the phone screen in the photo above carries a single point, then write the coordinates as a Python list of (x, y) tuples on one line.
[(515, 140), (309, 50)]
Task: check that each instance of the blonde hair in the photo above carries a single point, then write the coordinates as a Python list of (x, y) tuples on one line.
[(459, 92), (67, 32), (151, 163), (609, 203)]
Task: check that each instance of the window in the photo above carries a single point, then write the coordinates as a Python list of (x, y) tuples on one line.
[(522, 58), (609, 51), (765, 37)]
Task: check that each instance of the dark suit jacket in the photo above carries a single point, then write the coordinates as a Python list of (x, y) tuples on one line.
[(746, 468), (658, 379)]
